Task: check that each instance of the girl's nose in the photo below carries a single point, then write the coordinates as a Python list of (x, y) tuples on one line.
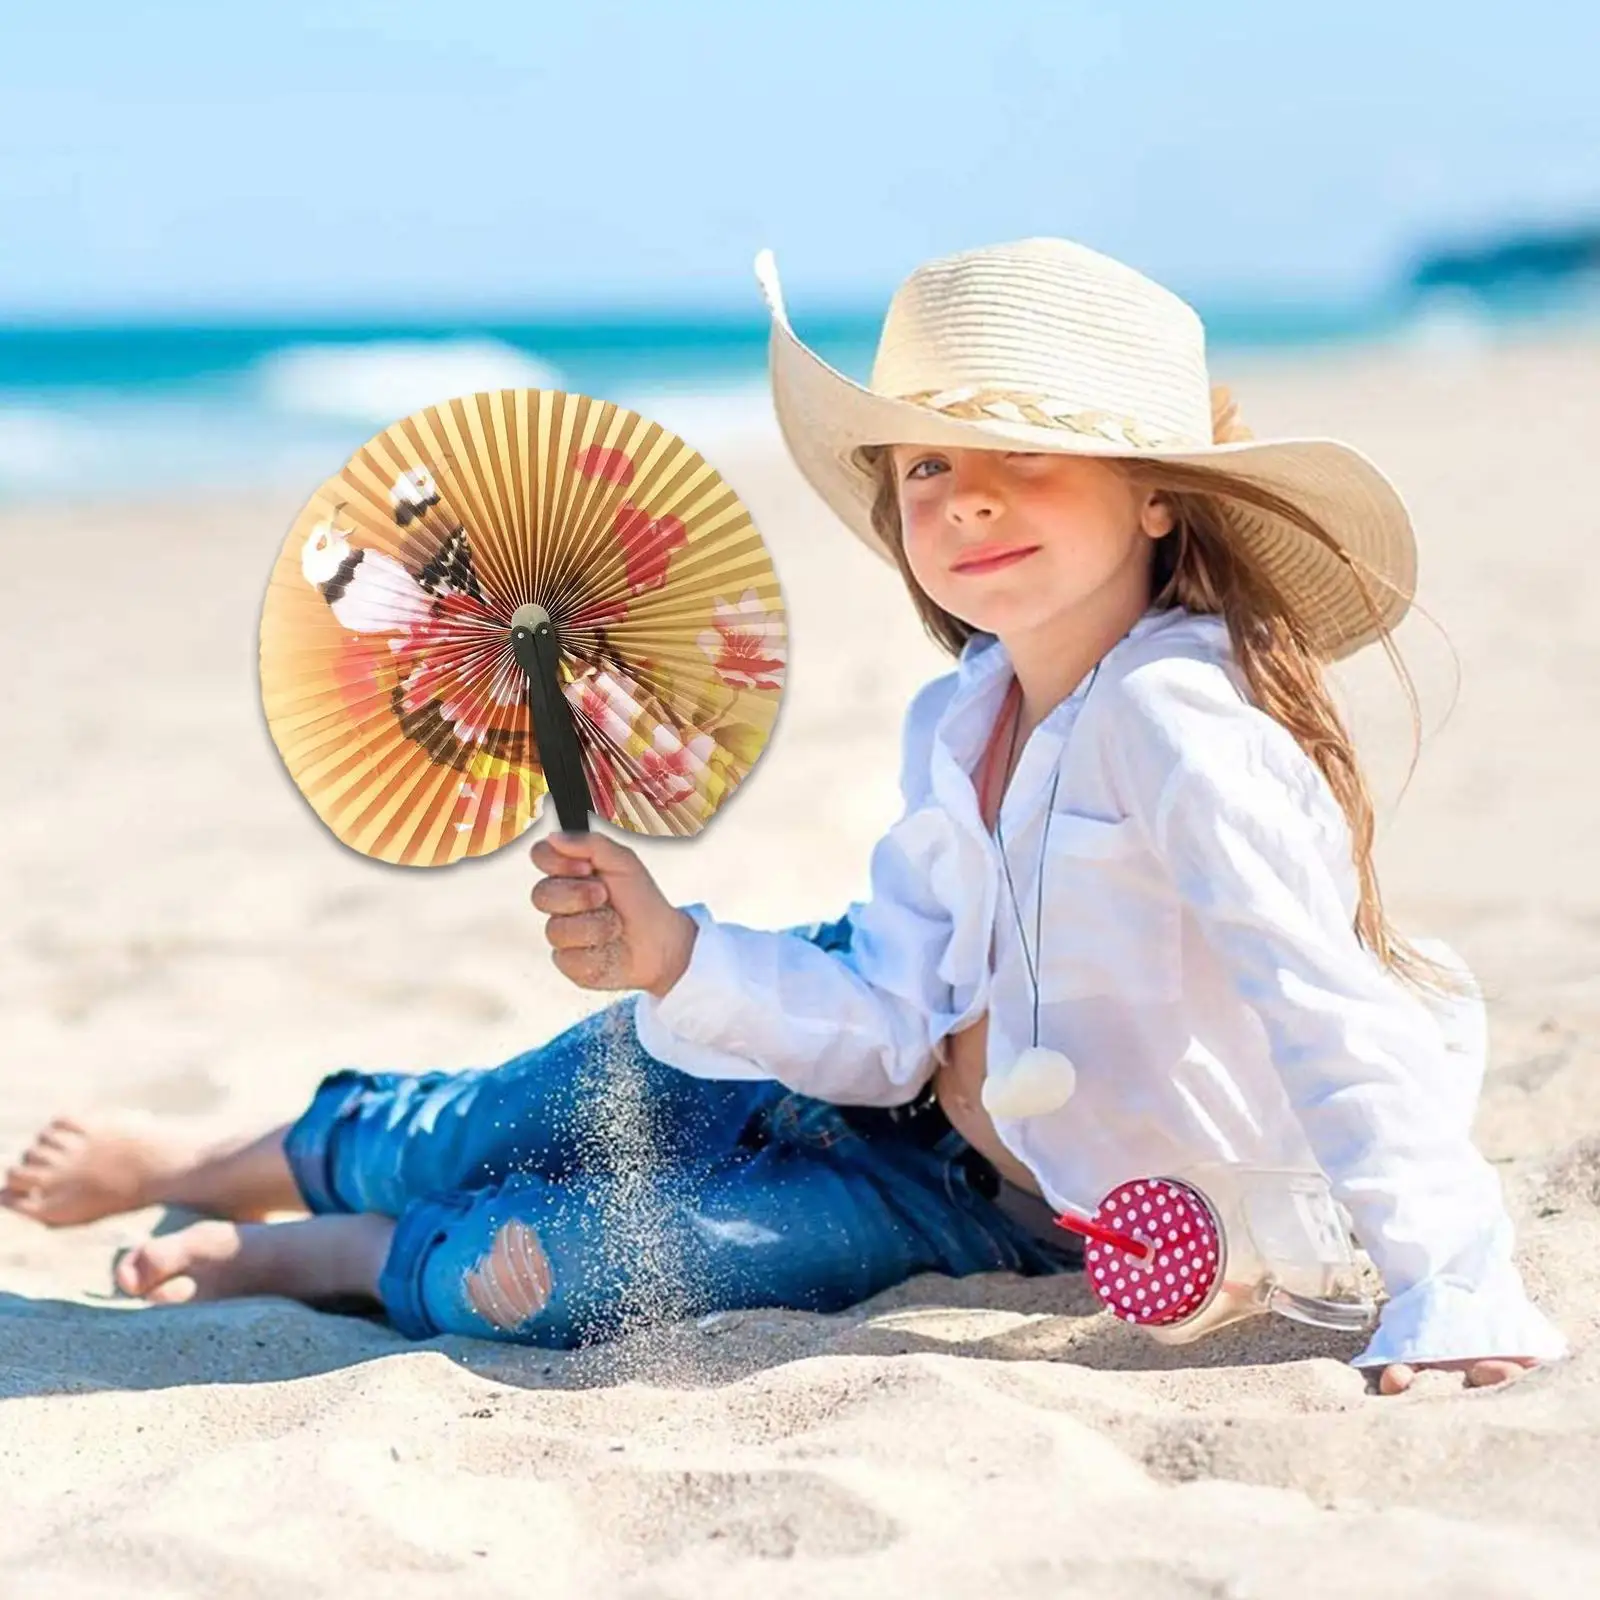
[(973, 499)]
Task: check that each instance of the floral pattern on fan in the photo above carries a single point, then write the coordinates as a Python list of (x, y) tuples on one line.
[(745, 645), (638, 749), (387, 675)]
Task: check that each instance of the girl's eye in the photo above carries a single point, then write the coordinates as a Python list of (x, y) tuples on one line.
[(926, 461)]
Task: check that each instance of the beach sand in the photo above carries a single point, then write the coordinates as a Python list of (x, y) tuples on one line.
[(181, 935)]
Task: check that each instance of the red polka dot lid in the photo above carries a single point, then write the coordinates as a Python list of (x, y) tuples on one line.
[(1187, 1261)]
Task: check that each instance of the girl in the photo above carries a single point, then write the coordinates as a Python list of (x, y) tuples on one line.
[(1135, 836)]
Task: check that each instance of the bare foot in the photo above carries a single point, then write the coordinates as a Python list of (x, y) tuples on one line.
[(81, 1170), (322, 1258)]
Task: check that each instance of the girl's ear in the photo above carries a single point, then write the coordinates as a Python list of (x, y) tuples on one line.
[(1156, 516)]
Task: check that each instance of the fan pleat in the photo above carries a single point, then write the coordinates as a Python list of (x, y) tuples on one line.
[(387, 676)]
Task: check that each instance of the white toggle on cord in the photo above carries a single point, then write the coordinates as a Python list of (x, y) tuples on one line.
[(1039, 1081)]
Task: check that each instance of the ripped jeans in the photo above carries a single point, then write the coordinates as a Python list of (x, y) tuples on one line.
[(585, 1188)]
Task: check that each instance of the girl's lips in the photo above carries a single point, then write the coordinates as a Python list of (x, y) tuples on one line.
[(995, 562)]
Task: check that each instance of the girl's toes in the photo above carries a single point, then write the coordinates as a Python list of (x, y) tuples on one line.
[(64, 1137), (157, 1269), (16, 1194), (200, 1261), (1487, 1373), (138, 1269), (173, 1291), (83, 1173), (34, 1171), (26, 1180)]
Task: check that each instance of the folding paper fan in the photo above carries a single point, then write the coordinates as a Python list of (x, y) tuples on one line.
[(511, 594)]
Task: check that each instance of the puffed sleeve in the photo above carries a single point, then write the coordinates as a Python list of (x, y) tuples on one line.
[(1258, 849), (854, 1025)]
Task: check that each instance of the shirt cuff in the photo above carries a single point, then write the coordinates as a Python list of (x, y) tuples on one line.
[(1444, 1319), (680, 1026)]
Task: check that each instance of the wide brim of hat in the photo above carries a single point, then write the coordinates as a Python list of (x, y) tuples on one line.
[(825, 417)]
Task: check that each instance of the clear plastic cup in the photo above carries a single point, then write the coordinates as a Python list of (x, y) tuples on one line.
[(1283, 1249)]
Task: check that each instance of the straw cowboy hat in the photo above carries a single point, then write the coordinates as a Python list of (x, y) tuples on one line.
[(1046, 345)]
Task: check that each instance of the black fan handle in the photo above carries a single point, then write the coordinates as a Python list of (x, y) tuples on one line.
[(534, 643)]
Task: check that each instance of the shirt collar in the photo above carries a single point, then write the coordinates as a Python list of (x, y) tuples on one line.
[(984, 669)]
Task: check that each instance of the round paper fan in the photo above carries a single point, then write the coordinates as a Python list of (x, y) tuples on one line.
[(511, 594)]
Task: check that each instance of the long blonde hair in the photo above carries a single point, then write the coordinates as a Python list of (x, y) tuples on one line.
[(1202, 567)]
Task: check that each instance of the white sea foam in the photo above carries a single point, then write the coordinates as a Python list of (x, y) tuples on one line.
[(382, 382), (111, 442), (299, 414), (709, 418), (37, 447), (1449, 323)]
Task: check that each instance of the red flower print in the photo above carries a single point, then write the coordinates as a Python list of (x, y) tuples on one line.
[(745, 644), (602, 782), (647, 545), (592, 705), (671, 772), (600, 461), (604, 703), (664, 780), (355, 672), (451, 661)]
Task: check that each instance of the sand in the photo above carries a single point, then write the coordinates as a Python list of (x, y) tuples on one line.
[(180, 935)]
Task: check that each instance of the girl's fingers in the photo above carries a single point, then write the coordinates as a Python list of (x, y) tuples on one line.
[(583, 930), (1501, 1370), (599, 967), (558, 863), (563, 896), (598, 852), (1399, 1376)]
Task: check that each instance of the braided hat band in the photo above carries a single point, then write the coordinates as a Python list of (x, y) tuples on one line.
[(1046, 345)]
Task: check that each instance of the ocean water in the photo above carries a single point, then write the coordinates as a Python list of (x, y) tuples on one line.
[(149, 408), (110, 410)]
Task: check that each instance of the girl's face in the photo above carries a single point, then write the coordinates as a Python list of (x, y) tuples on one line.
[(1010, 540)]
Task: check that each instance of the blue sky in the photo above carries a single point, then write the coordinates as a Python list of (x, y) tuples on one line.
[(352, 155)]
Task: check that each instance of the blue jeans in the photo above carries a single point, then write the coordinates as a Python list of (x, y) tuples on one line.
[(651, 1195)]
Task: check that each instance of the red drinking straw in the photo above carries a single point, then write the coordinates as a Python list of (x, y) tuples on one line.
[(1142, 1250)]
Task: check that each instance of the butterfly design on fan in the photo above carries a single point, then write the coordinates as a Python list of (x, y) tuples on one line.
[(413, 493), (430, 604), (514, 596)]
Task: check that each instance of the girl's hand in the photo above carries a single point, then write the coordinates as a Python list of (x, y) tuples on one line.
[(610, 926), (1396, 1379)]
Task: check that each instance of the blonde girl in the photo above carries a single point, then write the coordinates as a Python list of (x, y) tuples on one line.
[(1126, 923)]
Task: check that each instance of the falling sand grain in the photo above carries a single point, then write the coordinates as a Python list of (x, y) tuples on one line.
[(640, 1187)]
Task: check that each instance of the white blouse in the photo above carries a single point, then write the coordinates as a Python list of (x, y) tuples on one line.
[(1199, 968)]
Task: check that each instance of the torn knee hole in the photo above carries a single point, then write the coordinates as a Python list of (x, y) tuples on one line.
[(511, 1284)]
